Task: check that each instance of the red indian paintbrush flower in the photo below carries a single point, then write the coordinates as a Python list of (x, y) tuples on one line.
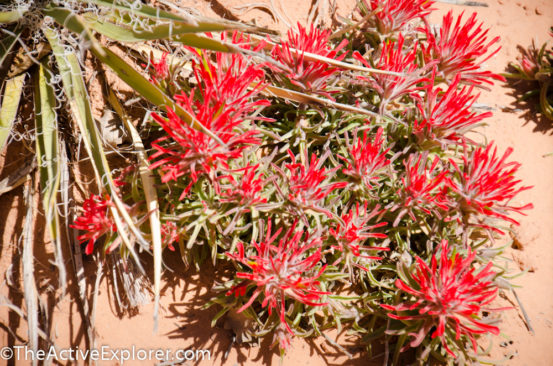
[(94, 220), (308, 75), (458, 49), (222, 107), (392, 15), (366, 159), (423, 188), (445, 115), (287, 269), (486, 183), (394, 58), (169, 235), (357, 228), (307, 183), (449, 297), (244, 192)]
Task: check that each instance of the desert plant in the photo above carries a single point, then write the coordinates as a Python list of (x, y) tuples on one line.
[(314, 175), (536, 66)]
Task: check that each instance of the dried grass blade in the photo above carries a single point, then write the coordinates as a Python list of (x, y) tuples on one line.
[(148, 184), (299, 97), (10, 105), (29, 286), (47, 153)]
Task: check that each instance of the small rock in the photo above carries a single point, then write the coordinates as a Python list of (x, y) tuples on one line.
[(523, 262), (538, 11), (524, 236)]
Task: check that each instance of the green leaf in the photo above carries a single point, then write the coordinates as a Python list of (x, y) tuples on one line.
[(142, 10), (47, 154), (128, 33), (10, 105), (147, 90), (7, 43), (78, 101), (12, 16)]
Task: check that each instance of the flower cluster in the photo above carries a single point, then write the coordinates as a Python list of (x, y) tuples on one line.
[(367, 159), (352, 197), (458, 49), (306, 73), (446, 115), (448, 296), (95, 220), (404, 74), (392, 15), (281, 268)]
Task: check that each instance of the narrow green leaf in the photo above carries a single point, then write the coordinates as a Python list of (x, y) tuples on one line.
[(10, 105), (7, 43), (47, 153), (128, 33), (77, 97), (141, 10), (146, 89), (12, 16)]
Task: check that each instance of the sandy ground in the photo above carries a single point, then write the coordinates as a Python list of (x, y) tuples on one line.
[(185, 325)]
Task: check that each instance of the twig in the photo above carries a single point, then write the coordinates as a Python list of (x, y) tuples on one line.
[(464, 3), (29, 286), (18, 177), (524, 314)]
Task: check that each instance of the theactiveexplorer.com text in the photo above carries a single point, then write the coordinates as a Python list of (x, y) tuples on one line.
[(104, 353)]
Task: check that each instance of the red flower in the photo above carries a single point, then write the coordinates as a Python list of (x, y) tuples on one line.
[(449, 298), (366, 159), (486, 183), (288, 269), (307, 183), (308, 75), (223, 106), (357, 228), (94, 221), (457, 49), (246, 191), (169, 235), (393, 15), (393, 58), (423, 189), (446, 115)]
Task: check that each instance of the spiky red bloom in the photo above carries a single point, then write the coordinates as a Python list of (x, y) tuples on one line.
[(423, 188), (393, 15), (358, 227), (169, 235), (445, 115), (450, 295), (366, 158), (246, 191), (223, 105), (307, 183), (458, 49), (486, 183), (285, 270), (94, 220), (308, 75), (393, 58)]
